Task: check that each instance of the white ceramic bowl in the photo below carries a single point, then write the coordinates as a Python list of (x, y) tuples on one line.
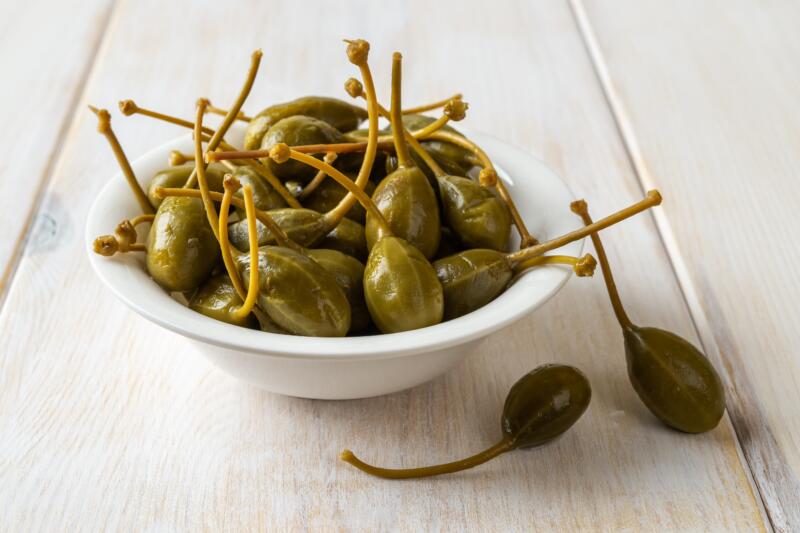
[(341, 368)]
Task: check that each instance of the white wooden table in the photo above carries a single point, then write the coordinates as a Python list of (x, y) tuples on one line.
[(110, 423)]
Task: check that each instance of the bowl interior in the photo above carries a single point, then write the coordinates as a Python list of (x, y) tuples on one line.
[(541, 196)]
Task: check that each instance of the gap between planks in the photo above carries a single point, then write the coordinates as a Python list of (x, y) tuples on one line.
[(777, 516), (99, 44)]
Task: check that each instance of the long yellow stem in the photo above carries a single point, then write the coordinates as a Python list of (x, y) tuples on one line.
[(503, 446), (129, 107), (358, 52), (431, 106), (319, 178), (216, 138), (400, 147), (104, 127), (581, 208), (225, 246), (653, 198), (200, 170), (252, 290), (280, 236), (343, 180), (210, 108), (582, 266)]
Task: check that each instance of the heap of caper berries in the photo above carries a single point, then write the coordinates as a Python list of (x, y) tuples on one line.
[(319, 226)]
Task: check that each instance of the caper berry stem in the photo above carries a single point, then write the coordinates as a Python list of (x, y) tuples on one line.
[(124, 238), (652, 198), (581, 208), (200, 170), (358, 53), (582, 266), (135, 221), (403, 156), (424, 155), (281, 152), (329, 158), (431, 106), (337, 148), (491, 452), (176, 158), (210, 108), (108, 245), (433, 127), (280, 236), (129, 107), (489, 178), (354, 88), (217, 137), (230, 185), (252, 289), (104, 127)]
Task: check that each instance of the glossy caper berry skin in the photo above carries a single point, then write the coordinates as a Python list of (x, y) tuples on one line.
[(471, 279), (544, 404), (340, 114), (265, 197), (474, 213), (217, 299), (177, 176), (448, 244), (453, 159), (674, 379), (298, 294), (349, 274), (328, 195), (181, 248), (347, 237), (401, 287), (409, 205), (303, 226), (298, 130)]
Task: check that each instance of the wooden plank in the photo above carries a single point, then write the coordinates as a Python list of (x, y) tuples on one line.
[(108, 422), (47, 52), (706, 96)]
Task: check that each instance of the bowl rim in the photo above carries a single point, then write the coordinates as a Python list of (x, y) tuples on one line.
[(504, 310)]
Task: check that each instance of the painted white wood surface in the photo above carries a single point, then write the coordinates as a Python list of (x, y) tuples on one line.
[(706, 94), (46, 52), (108, 422)]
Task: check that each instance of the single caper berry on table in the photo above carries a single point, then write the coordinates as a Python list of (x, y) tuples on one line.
[(540, 407), (676, 382)]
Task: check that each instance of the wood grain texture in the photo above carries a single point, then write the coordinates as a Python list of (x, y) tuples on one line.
[(108, 422), (47, 49), (706, 96)]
